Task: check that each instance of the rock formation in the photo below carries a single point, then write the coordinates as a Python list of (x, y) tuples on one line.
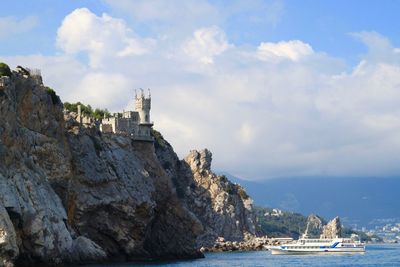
[(71, 195), (223, 208), (314, 226), (332, 229)]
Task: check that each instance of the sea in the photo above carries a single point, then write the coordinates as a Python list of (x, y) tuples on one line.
[(375, 255)]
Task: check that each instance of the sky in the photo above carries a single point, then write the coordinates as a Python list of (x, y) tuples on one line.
[(273, 88)]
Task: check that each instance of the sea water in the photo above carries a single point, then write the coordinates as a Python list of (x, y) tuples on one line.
[(375, 255)]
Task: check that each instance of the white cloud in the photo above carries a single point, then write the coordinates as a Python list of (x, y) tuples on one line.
[(293, 50), (104, 89), (11, 26), (163, 18), (306, 115), (205, 44), (379, 47), (101, 37), (166, 11)]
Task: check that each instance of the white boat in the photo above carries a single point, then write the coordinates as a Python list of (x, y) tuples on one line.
[(319, 246)]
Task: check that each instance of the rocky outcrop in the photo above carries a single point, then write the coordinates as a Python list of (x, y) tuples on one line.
[(252, 244), (223, 208), (332, 229), (314, 226), (71, 195)]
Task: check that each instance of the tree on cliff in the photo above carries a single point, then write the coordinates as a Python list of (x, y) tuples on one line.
[(5, 70), (88, 110)]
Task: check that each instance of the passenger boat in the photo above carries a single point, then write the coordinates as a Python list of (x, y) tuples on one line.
[(307, 245)]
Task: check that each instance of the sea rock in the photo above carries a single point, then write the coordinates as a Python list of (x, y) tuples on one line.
[(314, 226), (332, 229), (251, 243)]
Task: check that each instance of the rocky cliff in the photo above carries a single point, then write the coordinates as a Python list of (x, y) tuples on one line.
[(71, 195), (223, 208)]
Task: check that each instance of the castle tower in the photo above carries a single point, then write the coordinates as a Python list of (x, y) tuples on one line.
[(143, 106)]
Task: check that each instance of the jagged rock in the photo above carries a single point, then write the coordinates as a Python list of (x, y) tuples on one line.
[(199, 161), (8, 239), (314, 226), (223, 208), (249, 243), (332, 229), (71, 195), (85, 250)]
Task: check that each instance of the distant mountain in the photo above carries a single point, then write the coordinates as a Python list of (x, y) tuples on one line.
[(356, 200)]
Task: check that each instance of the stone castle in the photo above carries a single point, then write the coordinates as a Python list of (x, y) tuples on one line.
[(136, 123)]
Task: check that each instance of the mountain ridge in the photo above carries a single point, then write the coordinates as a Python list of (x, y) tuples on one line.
[(329, 196)]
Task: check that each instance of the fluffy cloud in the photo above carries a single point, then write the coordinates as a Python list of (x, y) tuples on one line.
[(279, 109), (101, 37), (292, 50), (205, 44), (11, 25)]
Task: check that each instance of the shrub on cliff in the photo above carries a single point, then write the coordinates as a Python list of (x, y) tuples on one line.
[(54, 97), (159, 139), (5, 70), (87, 110)]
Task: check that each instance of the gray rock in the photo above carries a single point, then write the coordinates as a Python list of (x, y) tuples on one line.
[(223, 208), (70, 195), (332, 229)]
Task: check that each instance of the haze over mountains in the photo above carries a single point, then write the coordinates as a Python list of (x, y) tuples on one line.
[(360, 201)]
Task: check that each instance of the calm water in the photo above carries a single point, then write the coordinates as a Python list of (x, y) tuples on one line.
[(376, 255)]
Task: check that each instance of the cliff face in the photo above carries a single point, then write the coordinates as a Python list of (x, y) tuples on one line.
[(224, 208), (332, 229), (69, 194), (315, 225)]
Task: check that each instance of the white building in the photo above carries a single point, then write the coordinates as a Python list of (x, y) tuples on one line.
[(136, 123)]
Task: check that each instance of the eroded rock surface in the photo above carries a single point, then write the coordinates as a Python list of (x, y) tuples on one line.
[(332, 229), (71, 195), (223, 208)]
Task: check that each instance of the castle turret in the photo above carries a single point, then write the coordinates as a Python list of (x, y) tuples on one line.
[(143, 106)]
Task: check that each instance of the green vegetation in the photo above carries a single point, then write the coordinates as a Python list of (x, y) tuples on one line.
[(230, 188), (233, 189), (54, 97), (347, 232), (290, 224), (286, 225), (5, 70), (87, 110), (159, 140), (223, 178)]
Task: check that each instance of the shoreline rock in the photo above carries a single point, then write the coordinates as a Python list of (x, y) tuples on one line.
[(70, 195)]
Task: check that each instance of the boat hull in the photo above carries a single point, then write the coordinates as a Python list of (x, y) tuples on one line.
[(280, 251)]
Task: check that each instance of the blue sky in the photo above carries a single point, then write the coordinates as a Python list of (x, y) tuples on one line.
[(274, 88), (324, 24)]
